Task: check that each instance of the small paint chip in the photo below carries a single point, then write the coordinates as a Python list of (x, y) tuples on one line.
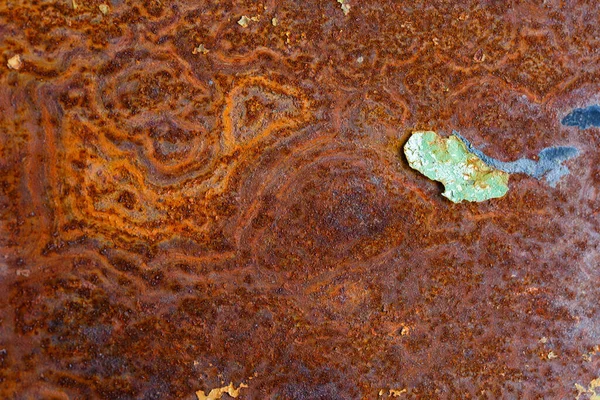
[(217, 393), (592, 392), (23, 272), (397, 392), (104, 9), (15, 62), (200, 49), (345, 6), (274, 21), (243, 21), (360, 59), (448, 160)]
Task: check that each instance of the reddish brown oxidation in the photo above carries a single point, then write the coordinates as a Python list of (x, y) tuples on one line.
[(174, 220)]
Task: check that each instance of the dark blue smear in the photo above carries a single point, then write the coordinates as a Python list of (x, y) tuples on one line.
[(549, 164), (583, 117)]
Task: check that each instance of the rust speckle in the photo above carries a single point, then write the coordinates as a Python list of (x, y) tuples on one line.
[(186, 202)]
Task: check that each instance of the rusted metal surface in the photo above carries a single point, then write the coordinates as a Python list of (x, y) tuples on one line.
[(188, 201)]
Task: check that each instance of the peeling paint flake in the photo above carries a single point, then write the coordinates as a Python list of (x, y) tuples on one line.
[(15, 62), (345, 6), (463, 174), (217, 393), (393, 392), (589, 355), (243, 21), (200, 49), (592, 392), (397, 392)]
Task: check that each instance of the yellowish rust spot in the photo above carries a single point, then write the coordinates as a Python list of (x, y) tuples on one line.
[(104, 9), (217, 393)]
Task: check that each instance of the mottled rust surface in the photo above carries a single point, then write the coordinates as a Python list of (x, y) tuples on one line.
[(175, 219)]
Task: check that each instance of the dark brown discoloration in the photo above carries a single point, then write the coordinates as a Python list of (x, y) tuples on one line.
[(172, 221)]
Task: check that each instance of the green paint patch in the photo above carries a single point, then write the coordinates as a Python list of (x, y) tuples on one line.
[(447, 160)]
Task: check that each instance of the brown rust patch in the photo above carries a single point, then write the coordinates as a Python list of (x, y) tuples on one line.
[(171, 221)]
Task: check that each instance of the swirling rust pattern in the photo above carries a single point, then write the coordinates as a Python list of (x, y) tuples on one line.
[(187, 202)]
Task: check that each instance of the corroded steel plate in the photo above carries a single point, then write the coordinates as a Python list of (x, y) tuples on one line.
[(199, 193)]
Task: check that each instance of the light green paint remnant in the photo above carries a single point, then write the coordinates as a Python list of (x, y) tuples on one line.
[(463, 174)]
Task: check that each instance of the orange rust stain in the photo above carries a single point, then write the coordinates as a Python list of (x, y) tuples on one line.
[(171, 220)]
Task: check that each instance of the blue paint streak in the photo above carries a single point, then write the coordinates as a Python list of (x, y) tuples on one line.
[(583, 117), (548, 166)]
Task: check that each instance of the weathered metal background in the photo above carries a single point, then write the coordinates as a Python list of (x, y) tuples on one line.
[(187, 202)]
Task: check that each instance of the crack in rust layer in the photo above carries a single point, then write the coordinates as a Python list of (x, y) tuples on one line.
[(187, 202)]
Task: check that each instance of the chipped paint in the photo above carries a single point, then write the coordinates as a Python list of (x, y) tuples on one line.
[(592, 392), (345, 6), (397, 392), (464, 175), (15, 62), (393, 392), (243, 21), (217, 393), (200, 49)]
